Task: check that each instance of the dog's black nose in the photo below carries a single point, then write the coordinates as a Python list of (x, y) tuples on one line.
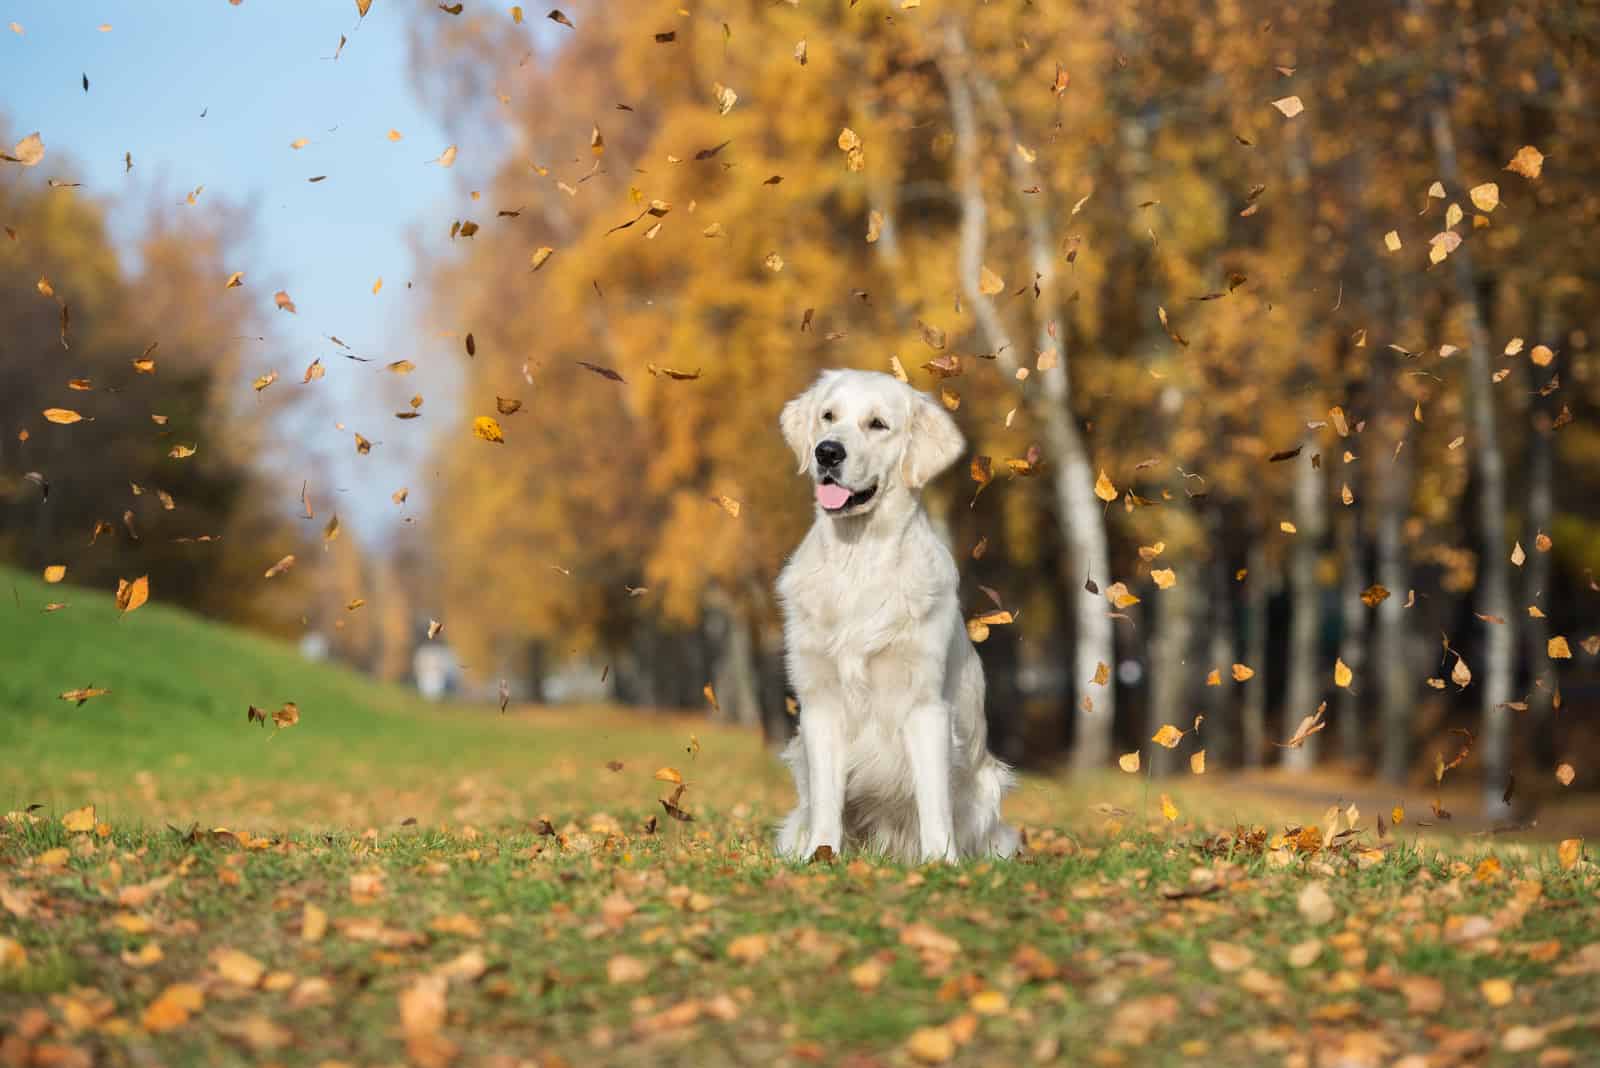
[(830, 453)]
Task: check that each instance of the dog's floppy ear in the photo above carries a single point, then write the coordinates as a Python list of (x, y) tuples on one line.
[(795, 422), (934, 444)]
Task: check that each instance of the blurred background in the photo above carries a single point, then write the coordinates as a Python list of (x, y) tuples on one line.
[(1271, 330)]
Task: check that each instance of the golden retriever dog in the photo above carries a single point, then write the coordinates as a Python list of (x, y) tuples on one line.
[(891, 756)]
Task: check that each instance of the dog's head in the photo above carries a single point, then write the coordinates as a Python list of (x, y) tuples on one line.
[(861, 434)]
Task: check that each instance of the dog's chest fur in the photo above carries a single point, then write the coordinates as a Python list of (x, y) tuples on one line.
[(861, 607)]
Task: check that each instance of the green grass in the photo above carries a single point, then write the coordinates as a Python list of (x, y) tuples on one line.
[(1082, 951)]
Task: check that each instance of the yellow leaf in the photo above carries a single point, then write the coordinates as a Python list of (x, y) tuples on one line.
[(131, 595), (989, 1003), (1397, 815), (990, 283), (1104, 489), (1117, 593), (238, 968), (728, 504), (1568, 852), (1197, 762), (1558, 649), (1287, 527), (55, 573), (1102, 673), (931, 1045), (540, 254), (1497, 992), (1342, 675), (671, 775), (235, 280), (1485, 197), (1168, 736), (486, 428), (1518, 556), (1241, 673), (1129, 762), (1391, 241), (1165, 578), (172, 1008), (1290, 106), (313, 923), (79, 820), (1168, 810), (62, 415), (1565, 773)]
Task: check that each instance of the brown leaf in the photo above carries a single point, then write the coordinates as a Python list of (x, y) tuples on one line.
[(1528, 162)]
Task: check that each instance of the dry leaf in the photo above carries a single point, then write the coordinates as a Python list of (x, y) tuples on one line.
[(1290, 106), (1528, 162), (130, 595)]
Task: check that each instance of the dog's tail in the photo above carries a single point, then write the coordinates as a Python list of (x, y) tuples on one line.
[(992, 836)]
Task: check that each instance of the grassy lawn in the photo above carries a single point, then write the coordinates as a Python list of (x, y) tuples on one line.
[(392, 882)]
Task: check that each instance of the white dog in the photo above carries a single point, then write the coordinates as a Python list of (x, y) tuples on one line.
[(891, 755)]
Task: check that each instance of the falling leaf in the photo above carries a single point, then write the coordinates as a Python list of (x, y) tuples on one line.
[(1104, 489), (1169, 811), (1342, 675), (1165, 578), (1558, 649), (1241, 673), (130, 595), (1129, 762), (1391, 241), (28, 151), (727, 504), (1197, 762), (1565, 773), (558, 17), (1168, 736), (1528, 162), (1461, 675), (488, 429), (1290, 106), (725, 97), (540, 255), (1485, 197), (280, 567), (989, 283), (1569, 852), (1117, 593), (62, 415), (235, 280), (447, 157)]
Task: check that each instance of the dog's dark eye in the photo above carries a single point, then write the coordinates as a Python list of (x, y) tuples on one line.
[(878, 424), (827, 417)]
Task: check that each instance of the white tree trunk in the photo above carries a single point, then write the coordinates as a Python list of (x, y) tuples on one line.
[(1076, 508), (1305, 675), (1494, 579)]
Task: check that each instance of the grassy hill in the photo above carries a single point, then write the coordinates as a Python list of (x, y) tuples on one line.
[(171, 739)]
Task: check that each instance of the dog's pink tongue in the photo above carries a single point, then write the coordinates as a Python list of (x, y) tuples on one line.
[(831, 496)]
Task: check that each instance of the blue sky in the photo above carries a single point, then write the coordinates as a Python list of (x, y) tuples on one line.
[(263, 75)]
